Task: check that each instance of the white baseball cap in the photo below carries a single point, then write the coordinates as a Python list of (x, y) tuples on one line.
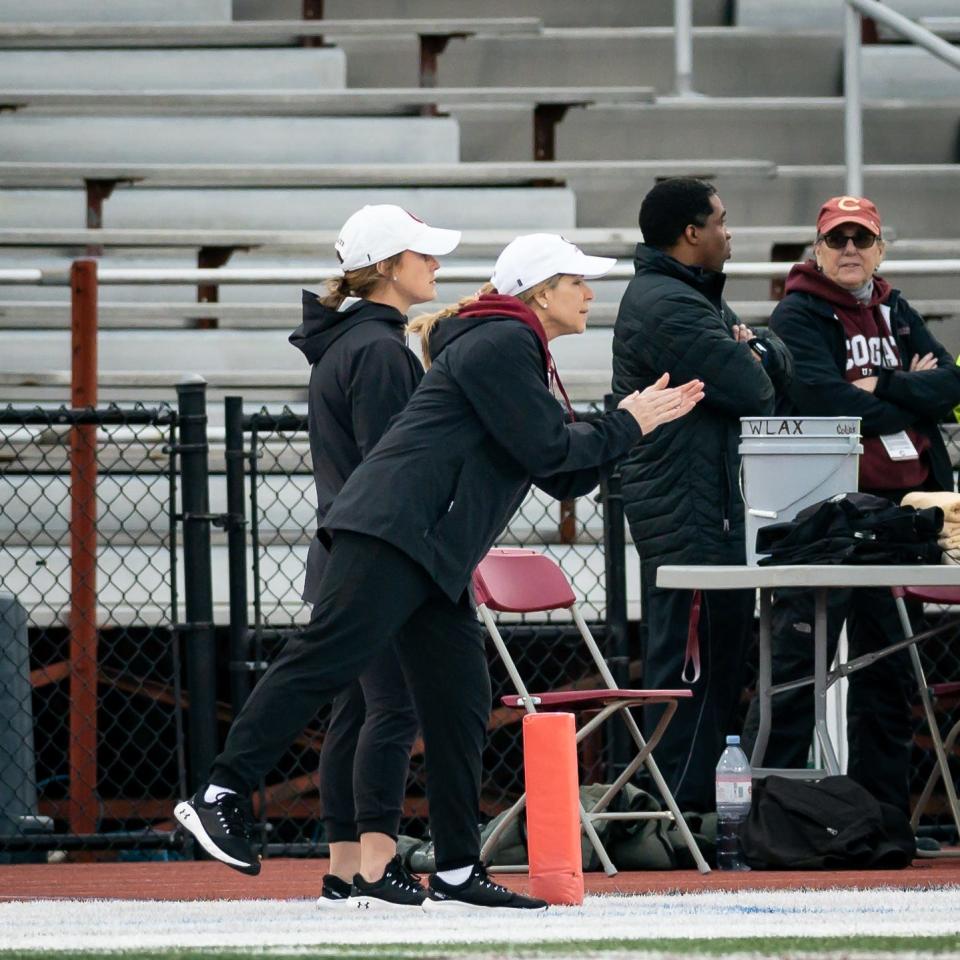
[(376, 232), (526, 261)]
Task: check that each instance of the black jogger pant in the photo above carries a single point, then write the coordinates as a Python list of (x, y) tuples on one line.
[(688, 753), (366, 753), (879, 729), (370, 592)]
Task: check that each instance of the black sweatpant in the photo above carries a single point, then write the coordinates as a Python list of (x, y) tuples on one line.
[(366, 753), (370, 592), (879, 730), (691, 746)]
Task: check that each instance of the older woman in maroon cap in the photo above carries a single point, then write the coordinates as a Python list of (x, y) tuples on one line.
[(859, 350)]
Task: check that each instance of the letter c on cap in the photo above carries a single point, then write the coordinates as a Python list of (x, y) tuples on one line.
[(849, 203)]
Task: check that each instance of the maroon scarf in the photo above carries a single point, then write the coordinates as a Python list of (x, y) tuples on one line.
[(498, 305)]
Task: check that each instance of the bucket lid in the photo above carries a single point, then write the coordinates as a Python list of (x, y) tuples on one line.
[(789, 427)]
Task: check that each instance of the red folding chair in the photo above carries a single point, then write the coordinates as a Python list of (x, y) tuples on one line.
[(948, 596), (525, 581)]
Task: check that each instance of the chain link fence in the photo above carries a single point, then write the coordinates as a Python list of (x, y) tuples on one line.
[(91, 745), (92, 715)]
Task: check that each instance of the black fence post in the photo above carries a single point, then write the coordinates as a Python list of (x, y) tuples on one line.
[(240, 678), (615, 577), (198, 630)]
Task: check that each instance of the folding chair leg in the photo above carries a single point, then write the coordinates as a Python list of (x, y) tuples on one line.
[(938, 748), (588, 828), (927, 791), (665, 792), (640, 759), (493, 841)]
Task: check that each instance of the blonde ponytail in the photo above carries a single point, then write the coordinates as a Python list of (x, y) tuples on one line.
[(423, 325), (356, 283)]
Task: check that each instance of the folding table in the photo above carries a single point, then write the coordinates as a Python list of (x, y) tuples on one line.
[(820, 578)]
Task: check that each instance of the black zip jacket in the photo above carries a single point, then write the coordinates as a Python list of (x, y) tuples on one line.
[(902, 399), (454, 467), (681, 484), (363, 375)]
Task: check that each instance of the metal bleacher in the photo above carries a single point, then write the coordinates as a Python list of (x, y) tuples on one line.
[(194, 134), (185, 133)]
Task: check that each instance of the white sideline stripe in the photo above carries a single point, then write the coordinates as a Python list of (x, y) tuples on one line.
[(189, 819), (62, 925)]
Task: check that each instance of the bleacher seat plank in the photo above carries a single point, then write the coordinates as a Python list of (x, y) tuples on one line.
[(55, 315), (312, 102), (66, 173), (249, 32), (596, 241)]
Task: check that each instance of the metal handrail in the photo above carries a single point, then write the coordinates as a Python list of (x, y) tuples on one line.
[(60, 276), (683, 47), (853, 99)]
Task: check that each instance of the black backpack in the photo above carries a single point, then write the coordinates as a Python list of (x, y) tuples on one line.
[(823, 825)]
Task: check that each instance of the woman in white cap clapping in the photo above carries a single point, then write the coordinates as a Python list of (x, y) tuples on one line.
[(362, 375), (414, 519)]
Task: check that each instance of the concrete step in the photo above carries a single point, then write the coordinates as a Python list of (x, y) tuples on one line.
[(825, 14), (137, 386), (219, 69), (554, 13), (908, 72), (895, 131), (230, 139), (519, 208), (727, 61), (104, 11), (212, 353)]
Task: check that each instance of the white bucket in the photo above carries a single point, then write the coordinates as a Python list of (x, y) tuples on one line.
[(788, 463)]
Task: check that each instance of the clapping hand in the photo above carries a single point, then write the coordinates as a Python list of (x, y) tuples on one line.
[(659, 403)]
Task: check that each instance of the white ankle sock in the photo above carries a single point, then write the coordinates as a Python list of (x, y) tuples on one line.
[(455, 877), (213, 791)]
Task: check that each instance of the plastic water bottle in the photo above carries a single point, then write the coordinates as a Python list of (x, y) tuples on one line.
[(734, 791)]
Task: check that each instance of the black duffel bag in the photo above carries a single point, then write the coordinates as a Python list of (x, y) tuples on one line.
[(828, 824)]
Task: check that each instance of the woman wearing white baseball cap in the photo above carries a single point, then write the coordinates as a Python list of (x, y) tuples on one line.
[(412, 522), (362, 375)]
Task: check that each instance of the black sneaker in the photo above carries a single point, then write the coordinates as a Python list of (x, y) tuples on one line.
[(397, 889), (224, 828), (335, 893), (477, 892)]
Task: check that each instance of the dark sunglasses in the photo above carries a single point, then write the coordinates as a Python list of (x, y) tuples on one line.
[(837, 240)]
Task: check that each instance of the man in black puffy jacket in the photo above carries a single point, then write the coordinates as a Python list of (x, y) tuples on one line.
[(681, 488)]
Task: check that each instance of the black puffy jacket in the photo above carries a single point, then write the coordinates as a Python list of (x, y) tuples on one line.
[(362, 376), (681, 484), (482, 426)]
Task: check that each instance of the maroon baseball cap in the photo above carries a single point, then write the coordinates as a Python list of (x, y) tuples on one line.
[(839, 210)]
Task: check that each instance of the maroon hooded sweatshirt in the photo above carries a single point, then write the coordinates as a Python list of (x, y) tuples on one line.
[(871, 347), (500, 305)]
